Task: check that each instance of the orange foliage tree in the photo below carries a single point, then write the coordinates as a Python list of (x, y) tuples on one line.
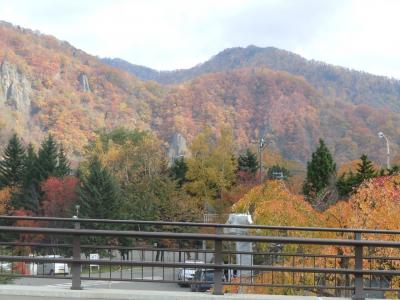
[(375, 205), (59, 196), (5, 196)]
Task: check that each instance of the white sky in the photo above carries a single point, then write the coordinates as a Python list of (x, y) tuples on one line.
[(170, 34)]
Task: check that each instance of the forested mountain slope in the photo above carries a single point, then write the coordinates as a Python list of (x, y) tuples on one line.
[(48, 86), (333, 81), (288, 109)]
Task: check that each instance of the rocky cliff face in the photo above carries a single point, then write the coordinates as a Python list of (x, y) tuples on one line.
[(178, 147), (15, 88), (84, 82)]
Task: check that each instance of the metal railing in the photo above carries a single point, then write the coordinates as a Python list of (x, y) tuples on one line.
[(283, 259)]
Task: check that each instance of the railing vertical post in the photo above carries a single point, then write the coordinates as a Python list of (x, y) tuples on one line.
[(218, 272), (359, 293), (76, 255)]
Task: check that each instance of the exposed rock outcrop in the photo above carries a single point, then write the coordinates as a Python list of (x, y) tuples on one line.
[(178, 147), (15, 88), (84, 82)]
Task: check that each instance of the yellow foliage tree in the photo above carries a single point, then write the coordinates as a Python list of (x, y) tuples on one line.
[(5, 196), (272, 204), (212, 167)]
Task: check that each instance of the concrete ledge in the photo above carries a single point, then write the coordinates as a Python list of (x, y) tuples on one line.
[(48, 292)]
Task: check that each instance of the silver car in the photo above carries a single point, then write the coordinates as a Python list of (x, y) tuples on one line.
[(186, 275), (49, 268), (5, 267)]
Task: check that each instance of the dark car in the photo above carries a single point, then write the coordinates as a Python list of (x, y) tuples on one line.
[(207, 276)]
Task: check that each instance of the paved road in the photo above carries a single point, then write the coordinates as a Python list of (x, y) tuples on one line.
[(7, 297), (101, 282), (105, 280)]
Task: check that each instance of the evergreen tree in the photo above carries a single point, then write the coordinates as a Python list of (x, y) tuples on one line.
[(248, 162), (28, 197), (320, 171), (63, 165), (31, 170), (178, 170), (393, 170), (98, 193), (347, 182), (365, 169), (47, 159), (12, 163)]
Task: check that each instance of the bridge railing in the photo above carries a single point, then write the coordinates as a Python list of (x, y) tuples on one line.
[(354, 262)]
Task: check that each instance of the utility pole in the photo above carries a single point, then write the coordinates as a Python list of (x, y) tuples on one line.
[(261, 148), (381, 135)]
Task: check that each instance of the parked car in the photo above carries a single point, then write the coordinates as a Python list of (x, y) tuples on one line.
[(49, 268), (207, 276), (185, 275), (5, 267)]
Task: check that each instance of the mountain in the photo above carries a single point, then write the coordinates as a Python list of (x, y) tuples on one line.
[(290, 111), (333, 81), (144, 73), (48, 86)]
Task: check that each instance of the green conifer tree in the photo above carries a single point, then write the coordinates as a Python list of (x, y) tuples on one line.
[(30, 189), (347, 182), (47, 159), (365, 169), (248, 162), (178, 170), (63, 165), (12, 163), (98, 193), (320, 171)]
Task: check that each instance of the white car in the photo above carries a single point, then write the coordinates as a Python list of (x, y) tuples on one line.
[(186, 275), (49, 268), (5, 267)]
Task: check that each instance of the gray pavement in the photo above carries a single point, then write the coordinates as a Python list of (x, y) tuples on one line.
[(14, 292), (106, 280)]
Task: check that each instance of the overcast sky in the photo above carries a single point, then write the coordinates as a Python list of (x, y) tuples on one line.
[(170, 34)]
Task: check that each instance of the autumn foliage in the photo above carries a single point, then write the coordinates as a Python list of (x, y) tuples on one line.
[(59, 196), (5, 196), (248, 99)]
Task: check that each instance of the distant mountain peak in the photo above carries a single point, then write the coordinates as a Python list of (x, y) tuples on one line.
[(332, 81)]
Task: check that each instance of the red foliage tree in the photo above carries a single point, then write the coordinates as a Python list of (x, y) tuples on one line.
[(26, 237), (59, 195)]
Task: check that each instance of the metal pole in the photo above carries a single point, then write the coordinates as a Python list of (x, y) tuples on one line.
[(260, 164), (388, 153), (359, 293), (382, 135), (261, 148), (218, 272), (76, 254)]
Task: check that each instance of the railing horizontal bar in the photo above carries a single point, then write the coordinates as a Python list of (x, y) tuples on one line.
[(148, 249), (198, 266), (382, 257), (16, 275), (198, 224), (16, 244), (22, 244), (106, 247), (224, 283), (198, 236), (35, 259), (296, 254)]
